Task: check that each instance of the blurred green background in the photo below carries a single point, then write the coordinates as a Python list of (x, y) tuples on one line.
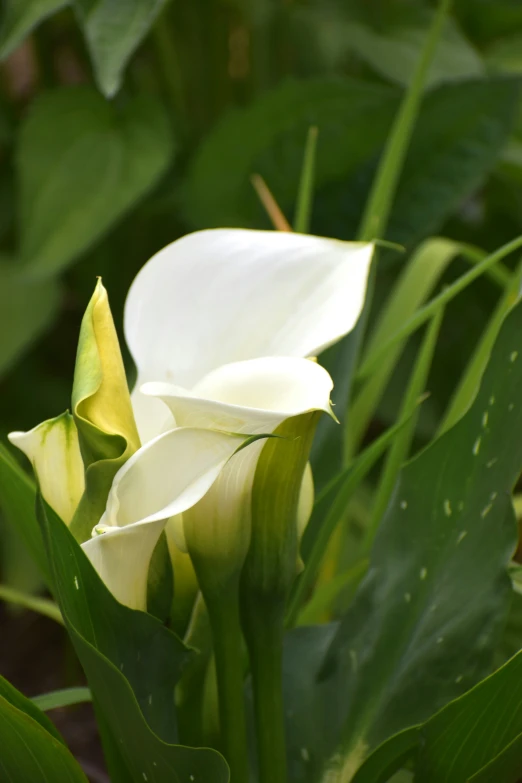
[(126, 125)]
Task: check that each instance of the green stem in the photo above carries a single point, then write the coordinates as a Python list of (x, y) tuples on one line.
[(264, 630), (226, 634), (306, 184)]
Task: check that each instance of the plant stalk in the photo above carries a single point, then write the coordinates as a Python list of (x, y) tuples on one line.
[(226, 633), (264, 629)]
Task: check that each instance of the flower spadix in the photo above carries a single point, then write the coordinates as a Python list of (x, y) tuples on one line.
[(220, 324)]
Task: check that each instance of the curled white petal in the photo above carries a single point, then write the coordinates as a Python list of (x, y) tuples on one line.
[(162, 479), (249, 397), (226, 295)]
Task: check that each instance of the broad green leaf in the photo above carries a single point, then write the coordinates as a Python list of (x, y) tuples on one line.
[(17, 501), (389, 757), (471, 732), (394, 52), (63, 698), (132, 663), (19, 18), (29, 752), (470, 380), (113, 32), (429, 614), (267, 137), (505, 54), (26, 312), (82, 163)]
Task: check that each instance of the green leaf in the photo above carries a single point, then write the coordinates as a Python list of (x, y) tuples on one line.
[(35, 604), (82, 163), (394, 52), (323, 523), (63, 698), (26, 311), (420, 275), (389, 757), (132, 663), (113, 32), (400, 448), (477, 737), (17, 501), (267, 137), (467, 388), (429, 614), (9, 693), (19, 18), (31, 749)]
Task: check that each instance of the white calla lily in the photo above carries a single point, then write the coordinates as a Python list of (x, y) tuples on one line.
[(220, 324), (162, 479), (222, 296), (54, 452)]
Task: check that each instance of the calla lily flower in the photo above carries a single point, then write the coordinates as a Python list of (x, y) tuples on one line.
[(220, 324)]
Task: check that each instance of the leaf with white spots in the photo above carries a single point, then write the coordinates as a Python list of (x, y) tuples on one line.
[(430, 611)]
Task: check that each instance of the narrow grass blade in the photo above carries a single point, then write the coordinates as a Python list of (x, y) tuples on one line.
[(40, 605), (418, 279), (62, 698), (306, 184), (426, 312), (378, 207), (348, 481)]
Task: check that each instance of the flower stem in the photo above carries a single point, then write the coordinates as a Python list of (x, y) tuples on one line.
[(226, 632), (264, 630)]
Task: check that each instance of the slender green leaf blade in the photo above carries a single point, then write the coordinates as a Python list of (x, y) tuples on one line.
[(62, 698), (389, 757)]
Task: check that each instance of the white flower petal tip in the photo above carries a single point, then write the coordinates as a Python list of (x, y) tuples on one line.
[(249, 397), (262, 293), (54, 452)]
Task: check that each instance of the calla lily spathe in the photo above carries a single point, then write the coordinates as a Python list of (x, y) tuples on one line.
[(219, 324)]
